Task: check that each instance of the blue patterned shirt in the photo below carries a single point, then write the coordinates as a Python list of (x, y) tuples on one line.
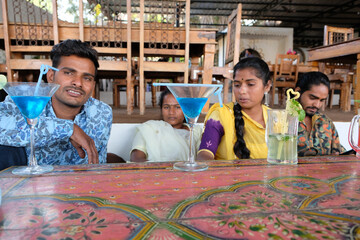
[(52, 134)]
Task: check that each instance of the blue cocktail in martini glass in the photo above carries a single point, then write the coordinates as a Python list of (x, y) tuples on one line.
[(31, 99), (192, 98)]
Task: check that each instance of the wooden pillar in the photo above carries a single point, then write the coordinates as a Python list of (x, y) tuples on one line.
[(209, 51), (187, 41), (6, 39), (357, 86), (237, 35), (141, 61), (55, 23), (129, 79), (81, 20)]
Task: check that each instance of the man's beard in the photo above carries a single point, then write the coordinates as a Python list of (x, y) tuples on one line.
[(311, 113)]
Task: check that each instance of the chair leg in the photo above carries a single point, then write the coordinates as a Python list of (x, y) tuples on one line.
[(116, 95), (281, 96), (136, 96), (345, 97), (153, 95), (331, 97), (272, 101), (226, 90)]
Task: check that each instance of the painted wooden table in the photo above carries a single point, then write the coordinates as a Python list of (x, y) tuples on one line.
[(317, 199)]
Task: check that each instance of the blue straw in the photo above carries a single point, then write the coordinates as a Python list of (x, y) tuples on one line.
[(43, 70), (218, 93)]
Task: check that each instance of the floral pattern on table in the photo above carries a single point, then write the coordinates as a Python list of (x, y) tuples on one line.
[(267, 210), (249, 200), (63, 217)]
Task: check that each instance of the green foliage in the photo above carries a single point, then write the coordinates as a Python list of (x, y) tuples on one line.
[(295, 109), (47, 4)]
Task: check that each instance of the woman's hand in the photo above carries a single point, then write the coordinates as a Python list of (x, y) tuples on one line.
[(203, 155), (137, 156)]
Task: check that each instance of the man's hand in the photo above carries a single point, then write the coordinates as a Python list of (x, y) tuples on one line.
[(81, 141)]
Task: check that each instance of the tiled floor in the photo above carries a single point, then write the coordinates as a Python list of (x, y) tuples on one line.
[(151, 113), (120, 116)]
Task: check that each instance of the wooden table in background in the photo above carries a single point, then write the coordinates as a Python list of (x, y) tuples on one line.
[(344, 52), (302, 68), (250, 199)]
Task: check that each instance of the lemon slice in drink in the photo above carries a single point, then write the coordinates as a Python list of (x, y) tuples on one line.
[(3, 81), (293, 107)]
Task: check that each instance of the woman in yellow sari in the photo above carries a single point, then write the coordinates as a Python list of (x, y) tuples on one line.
[(237, 130)]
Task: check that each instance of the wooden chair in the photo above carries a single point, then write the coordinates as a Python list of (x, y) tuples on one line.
[(336, 34), (132, 96), (341, 79), (119, 84), (232, 54), (165, 36), (285, 75), (340, 76), (232, 49)]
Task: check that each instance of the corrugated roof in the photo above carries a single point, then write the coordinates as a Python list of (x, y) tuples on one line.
[(307, 17)]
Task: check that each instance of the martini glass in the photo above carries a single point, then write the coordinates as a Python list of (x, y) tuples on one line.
[(192, 98), (31, 99)]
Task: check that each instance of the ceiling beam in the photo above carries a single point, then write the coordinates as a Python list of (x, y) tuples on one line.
[(193, 2), (307, 23)]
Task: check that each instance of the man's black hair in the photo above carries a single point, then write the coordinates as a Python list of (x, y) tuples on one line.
[(73, 47), (307, 80)]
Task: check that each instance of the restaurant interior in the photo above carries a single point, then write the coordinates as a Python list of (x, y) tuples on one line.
[(142, 42)]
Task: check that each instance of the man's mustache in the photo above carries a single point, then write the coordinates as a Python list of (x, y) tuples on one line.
[(75, 89), (312, 108)]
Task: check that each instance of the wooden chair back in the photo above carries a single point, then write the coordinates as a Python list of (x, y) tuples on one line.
[(164, 41), (341, 78), (233, 36), (286, 66), (286, 71), (232, 55), (336, 34)]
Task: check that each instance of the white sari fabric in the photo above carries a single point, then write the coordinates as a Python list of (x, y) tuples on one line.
[(163, 143)]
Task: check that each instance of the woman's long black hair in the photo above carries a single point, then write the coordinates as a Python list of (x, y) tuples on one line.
[(261, 71)]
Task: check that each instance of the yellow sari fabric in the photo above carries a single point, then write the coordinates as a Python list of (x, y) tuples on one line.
[(254, 135)]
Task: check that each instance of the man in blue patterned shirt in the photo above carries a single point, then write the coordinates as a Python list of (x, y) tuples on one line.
[(74, 128)]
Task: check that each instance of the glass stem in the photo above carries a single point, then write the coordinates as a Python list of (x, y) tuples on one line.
[(32, 159), (191, 155)]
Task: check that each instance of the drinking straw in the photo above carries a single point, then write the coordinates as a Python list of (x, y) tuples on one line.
[(218, 93), (282, 119), (43, 70)]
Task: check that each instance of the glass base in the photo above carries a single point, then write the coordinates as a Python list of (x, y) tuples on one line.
[(35, 170), (277, 161), (190, 167)]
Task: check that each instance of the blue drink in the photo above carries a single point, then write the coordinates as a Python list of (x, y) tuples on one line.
[(30, 106), (192, 106)]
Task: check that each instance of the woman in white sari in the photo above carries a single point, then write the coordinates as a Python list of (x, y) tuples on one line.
[(165, 140)]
